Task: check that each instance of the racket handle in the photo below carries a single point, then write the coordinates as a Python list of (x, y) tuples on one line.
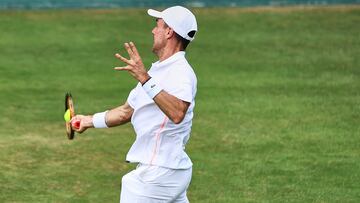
[(76, 124)]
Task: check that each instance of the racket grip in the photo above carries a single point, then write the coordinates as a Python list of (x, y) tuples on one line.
[(76, 124)]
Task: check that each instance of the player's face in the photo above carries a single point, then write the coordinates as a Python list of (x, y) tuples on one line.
[(159, 32)]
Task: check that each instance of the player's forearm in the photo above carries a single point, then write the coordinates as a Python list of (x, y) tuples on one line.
[(114, 117), (173, 107), (118, 116)]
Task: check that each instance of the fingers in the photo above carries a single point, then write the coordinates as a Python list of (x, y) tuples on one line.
[(76, 118), (134, 65), (122, 68), (75, 123), (129, 50), (77, 126), (125, 60), (133, 48)]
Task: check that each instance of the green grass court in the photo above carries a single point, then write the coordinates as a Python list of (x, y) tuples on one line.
[(277, 110)]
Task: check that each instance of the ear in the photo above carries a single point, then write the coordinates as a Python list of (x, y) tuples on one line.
[(169, 32)]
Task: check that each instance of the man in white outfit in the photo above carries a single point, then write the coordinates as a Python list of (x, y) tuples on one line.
[(160, 108)]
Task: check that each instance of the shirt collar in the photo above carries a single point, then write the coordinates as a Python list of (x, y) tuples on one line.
[(170, 60)]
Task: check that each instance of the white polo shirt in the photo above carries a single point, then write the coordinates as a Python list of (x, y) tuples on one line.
[(159, 141)]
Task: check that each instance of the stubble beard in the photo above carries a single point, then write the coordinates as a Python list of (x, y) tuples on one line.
[(154, 50), (157, 49)]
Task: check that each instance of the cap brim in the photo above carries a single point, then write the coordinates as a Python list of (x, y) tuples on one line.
[(154, 13)]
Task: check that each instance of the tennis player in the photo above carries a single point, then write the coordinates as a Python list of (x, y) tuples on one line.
[(160, 109)]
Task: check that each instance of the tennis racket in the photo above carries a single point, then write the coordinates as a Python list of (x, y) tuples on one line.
[(69, 104)]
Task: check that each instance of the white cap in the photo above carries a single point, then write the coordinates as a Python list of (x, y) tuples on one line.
[(180, 19)]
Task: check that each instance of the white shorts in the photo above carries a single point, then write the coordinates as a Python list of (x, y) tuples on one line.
[(154, 184)]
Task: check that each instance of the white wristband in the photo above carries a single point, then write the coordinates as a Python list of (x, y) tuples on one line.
[(152, 88), (99, 120)]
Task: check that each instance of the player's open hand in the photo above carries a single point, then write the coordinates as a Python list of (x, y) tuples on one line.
[(134, 65)]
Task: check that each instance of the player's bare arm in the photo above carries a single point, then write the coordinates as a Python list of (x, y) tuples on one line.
[(173, 107), (115, 117), (119, 115)]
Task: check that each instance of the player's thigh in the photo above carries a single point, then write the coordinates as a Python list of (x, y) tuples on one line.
[(182, 198), (155, 184)]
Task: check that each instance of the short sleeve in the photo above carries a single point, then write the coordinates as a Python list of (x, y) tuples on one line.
[(181, 84), (131, 98), (183, 91)]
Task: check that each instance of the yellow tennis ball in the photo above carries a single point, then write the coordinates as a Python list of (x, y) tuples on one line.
[(67, 115)]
